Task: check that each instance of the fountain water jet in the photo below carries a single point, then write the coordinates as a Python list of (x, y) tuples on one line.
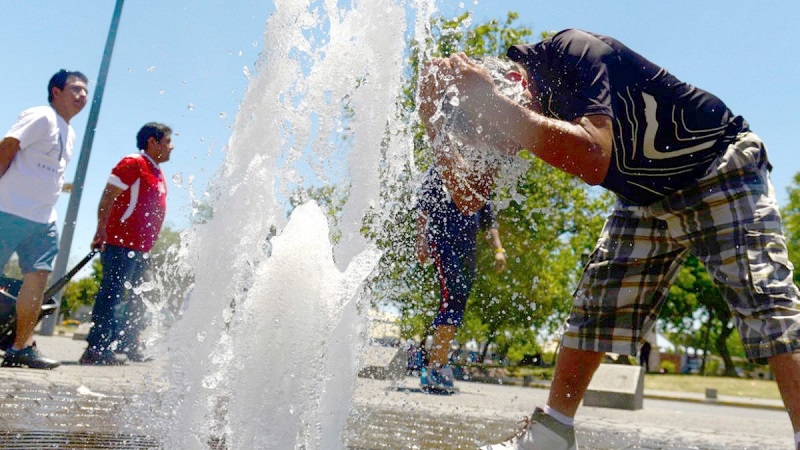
[(267, 351)]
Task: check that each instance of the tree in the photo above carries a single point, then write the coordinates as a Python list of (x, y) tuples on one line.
[(81, 292), (545, 230), (695, 298)]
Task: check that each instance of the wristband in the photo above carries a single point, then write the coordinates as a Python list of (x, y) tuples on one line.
[(499, 250)]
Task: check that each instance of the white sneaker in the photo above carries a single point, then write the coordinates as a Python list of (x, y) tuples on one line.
[(539, 432)]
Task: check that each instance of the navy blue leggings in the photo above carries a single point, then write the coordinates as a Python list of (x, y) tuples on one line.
[(454, 262)]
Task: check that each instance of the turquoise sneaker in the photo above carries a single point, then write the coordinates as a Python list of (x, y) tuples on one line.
[(437, 380)]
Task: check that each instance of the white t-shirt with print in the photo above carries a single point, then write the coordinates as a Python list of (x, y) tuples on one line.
[(30, 187)]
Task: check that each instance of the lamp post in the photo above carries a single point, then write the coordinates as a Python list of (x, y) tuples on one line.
[(49, 323)]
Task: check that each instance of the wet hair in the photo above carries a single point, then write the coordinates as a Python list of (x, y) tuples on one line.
[(151, 130), (59, 80)]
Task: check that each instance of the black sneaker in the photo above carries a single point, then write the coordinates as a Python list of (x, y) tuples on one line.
[(28, 357), (92, 357)]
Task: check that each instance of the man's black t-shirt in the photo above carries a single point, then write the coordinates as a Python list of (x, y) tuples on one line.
[(666, 132)]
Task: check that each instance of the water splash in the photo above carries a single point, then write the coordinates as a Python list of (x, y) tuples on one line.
[(267, 351)]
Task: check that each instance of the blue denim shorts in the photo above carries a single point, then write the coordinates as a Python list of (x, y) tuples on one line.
[(36, 244), (731, 222)]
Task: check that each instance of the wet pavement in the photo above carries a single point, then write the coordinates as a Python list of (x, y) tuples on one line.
[(89, 407)]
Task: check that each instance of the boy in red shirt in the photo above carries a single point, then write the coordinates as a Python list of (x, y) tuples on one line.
[(129, 219)]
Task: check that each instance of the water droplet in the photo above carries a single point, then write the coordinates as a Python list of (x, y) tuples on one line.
[(177, 180), (223, 115), (190, 106)]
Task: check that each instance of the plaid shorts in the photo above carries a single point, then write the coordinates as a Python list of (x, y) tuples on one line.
[(731, 222)]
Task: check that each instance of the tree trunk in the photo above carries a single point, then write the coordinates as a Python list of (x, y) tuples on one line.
[(705, 342), (489, 341), (722, 348)]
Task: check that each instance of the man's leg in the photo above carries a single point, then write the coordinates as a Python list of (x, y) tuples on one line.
[(101, 335), (23, 352), (133, 320), (735, 229), (574, 370), (786, 368), (443, 335), (453, 273), (29, 305)]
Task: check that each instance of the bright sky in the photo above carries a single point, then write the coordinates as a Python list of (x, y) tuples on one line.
[(185, 64)]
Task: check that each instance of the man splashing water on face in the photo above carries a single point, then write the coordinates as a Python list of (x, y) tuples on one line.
[(689, 175)]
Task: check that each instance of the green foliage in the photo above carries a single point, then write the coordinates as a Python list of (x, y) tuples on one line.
[(518, 343), (668, 367), (81, 292), (791, 222), (551, 220)]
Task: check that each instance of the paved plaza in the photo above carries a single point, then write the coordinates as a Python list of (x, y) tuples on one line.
[(91, 407)]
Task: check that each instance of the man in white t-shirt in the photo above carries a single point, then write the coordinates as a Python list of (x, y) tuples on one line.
[(33, 157)]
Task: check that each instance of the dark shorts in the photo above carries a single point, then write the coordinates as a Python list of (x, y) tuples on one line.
[(36, 244), (731, 222)]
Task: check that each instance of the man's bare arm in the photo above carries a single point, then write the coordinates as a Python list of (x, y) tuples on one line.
[(110, 193), (582, 147), (9, 147)]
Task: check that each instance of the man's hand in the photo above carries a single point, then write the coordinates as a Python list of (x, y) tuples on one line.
[(458, 77), (499, 260), (99, 240), (423, 253)]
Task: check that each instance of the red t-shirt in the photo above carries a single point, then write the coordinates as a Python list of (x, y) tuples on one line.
[(138, 213)]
